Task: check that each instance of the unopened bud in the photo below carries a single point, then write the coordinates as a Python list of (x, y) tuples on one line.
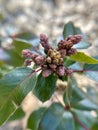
[(57, 55), (60, 70), (61, 44), (39, 60), (56, 61), (44, 43), (75, 39), (68, 72), (51, 53), (52, 66), (43, 38), (61, 60), (63, 53), (27, 53), (68, 44), (72, 51), (48, 59)]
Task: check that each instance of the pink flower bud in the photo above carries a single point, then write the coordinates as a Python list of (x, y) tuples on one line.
[(72, 51), (68, 72), (43, 37), (52, 66), (61, 44), (60, 70), (44, 42), (27, 53), (46, 72), (75, 39), (63, 53), (39, 60)]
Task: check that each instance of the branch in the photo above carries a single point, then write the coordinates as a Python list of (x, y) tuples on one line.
[(79, 71), (84, 70), (80, 123)]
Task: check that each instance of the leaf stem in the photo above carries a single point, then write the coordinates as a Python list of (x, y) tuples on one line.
[(79, 71), (35, 71), (80, 123)]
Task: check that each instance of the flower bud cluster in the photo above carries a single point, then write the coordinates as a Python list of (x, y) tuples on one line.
[(30, 56), (53, 62), (65, 46)]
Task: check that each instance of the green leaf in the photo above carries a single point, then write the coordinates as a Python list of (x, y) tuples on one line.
[(68, 62), (68, 92), (83, 44), (18, 114), (76, 66), (26, 35), (92, 75), (35, 118), (14, 86), (77, 93), (85, 105), (90, 90), (56, 118), (91, 71), (15, 59), (91, 67), (81, 57), (84, 117), (79, 99), (69, 29), (20, 45), (45, 87)]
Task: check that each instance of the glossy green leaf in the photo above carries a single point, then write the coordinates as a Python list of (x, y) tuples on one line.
[(83, 44), (45, 87), (68, 92), (35, 118), (76, 66), (14, 58), (68, 62), (90, 90), (14, 86), (92, 75), (83, 119), (81, 57), (69, 29), (56, 118), (85, 105), (26, 35), (20, 45), (91, 67), (91, 71), (77, 93), (18, 114)]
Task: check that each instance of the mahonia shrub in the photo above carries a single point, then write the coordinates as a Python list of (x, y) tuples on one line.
[(44, 64)]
